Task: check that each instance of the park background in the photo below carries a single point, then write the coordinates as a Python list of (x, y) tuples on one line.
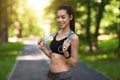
[(97, 25)]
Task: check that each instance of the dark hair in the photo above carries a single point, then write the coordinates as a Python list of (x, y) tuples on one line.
[(70, 12)]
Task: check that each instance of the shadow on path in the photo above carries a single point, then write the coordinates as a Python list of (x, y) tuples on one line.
[(32, 64)]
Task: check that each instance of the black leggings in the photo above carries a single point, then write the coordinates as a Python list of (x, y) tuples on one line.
[(66, 75)]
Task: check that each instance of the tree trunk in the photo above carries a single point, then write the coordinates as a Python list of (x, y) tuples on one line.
[(3, 34), (118, 50), (88, 25), (98, 19), (3, 22)]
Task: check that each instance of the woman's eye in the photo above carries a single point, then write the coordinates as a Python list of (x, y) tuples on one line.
[(62, 16)]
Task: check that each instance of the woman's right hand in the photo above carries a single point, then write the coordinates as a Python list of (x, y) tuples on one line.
[(41, 43)]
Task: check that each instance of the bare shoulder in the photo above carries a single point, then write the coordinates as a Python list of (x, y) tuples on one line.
[(75, 40), (74, 37)]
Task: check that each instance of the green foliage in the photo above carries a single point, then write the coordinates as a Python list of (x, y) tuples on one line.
[(111, 18), (19, 10), (104, 60), (8, 54), (27, 17)]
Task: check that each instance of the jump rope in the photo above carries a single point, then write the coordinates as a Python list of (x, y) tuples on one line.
[(51, 36)]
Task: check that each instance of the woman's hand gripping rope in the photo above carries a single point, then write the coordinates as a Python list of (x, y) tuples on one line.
[(65, 47), (41, 43)]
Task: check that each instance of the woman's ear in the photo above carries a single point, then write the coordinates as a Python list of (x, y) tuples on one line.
[(71, 17)]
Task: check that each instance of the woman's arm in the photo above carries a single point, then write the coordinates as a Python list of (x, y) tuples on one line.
[(74, 41), (45, 50)]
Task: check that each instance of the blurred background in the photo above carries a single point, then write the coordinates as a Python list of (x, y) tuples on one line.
[(97, 25)]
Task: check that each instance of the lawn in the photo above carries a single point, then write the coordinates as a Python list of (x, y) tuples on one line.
[(104, 60), (8, 54)]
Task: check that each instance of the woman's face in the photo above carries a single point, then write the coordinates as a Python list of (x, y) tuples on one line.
[(63, 19)]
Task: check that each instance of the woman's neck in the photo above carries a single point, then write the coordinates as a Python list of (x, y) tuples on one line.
[(65, 30)]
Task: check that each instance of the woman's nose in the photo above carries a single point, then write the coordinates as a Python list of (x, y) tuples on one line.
[(60, 19)]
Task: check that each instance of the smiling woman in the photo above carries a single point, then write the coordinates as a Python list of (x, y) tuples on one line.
[(63, 52)]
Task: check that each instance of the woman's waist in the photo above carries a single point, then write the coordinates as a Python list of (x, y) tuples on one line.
[(59, 68), (58, 61)]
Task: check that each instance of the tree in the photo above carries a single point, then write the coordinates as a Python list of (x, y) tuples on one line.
[(88, 24), (98, 20), (118, 33), (4, 4), (6, 14)]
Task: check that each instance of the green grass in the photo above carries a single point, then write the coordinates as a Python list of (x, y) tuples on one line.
[(8, 54), (105, 60)]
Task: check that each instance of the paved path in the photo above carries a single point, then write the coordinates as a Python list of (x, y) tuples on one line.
[(32, 64)]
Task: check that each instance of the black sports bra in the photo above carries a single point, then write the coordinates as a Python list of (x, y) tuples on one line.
[(56, 46)]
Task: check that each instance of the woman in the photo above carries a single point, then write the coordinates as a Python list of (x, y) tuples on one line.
[(62, 59)]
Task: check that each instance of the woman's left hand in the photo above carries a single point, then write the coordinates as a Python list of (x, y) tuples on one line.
[(66, 45)]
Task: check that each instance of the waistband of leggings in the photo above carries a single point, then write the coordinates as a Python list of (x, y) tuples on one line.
[(63, 72)]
